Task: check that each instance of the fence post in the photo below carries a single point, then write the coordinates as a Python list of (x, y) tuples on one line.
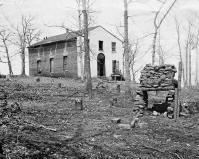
[(177, 93)]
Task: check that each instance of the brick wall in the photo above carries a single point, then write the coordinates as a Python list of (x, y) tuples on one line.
[(55, 51)]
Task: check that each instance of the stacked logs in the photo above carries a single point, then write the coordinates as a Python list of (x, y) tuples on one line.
[(157, 76)]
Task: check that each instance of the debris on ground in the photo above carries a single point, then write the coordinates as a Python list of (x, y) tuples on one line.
[(51, 127)]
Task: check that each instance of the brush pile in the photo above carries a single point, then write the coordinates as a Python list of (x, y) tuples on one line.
[(157, 76)]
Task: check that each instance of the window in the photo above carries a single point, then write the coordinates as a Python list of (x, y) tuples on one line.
[(69, 43), (115, 66), (65, 61), (100, 45), (113, 44), (51, 65), (38, 66)]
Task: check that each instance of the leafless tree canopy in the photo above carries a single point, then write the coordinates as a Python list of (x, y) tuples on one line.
[(157, 24), (5, 38), (26, 33)]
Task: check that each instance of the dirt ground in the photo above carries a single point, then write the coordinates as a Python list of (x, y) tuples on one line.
[(71, 133)]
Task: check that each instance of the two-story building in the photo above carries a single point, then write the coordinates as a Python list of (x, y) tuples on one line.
[(60, 55)]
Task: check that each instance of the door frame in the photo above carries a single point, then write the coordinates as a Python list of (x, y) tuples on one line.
[(101, 67)]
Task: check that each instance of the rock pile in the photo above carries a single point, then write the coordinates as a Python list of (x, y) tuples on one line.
[(139, 102), (157, 76)]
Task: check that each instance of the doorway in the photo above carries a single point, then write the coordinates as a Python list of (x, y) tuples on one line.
[(39, 66), (100, 65)]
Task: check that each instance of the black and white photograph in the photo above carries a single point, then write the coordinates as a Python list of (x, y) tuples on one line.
[(99, 79)]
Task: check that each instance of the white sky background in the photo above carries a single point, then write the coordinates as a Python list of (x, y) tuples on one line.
[(109, 14)]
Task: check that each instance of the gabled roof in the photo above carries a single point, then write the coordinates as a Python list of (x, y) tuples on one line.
[(66, 37)]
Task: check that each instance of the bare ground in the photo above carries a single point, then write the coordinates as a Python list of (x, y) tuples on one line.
[(89, 133)]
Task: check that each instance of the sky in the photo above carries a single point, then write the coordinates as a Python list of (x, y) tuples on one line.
[(109, 14)]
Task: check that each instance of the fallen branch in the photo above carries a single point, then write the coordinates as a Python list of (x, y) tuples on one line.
[(38, 126)]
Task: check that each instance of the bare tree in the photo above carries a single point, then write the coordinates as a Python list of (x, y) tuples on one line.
[(80, 43), (126, 48), (189, 42), (133, 50), (26, 33), (180, 50), (196, 46), (157, 24), (160, 51), (88, 81), (5, 37), (79, 24)]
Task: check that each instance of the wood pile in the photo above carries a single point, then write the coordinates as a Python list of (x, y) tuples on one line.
[(158, 77)]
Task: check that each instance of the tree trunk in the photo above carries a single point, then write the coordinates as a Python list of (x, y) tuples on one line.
[(160, 52), (183, 74), (126, 46), (154, 46), (177, 93), (133, 73), (87, 53), (80, 42), (180, 51), (186, 68), (189, 67), (8, 58), (9, 65), (196, 65), (23, 73)]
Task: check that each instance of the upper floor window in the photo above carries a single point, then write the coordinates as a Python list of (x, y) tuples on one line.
[(113, 46), (70, 43), (101, 46)]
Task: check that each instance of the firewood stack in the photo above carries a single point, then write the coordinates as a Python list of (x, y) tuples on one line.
[(157, 76)]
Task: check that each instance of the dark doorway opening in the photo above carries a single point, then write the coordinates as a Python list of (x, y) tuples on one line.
[(39, 66), (100, 65)]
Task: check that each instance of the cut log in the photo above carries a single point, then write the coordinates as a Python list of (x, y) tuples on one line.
[(125, 126), (116, 120)]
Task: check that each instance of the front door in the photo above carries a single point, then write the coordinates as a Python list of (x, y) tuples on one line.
[(100, 65)]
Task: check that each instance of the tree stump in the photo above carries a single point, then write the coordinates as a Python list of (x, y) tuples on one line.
[(8, 78), (37, 79), (78, 104), (59, 85)]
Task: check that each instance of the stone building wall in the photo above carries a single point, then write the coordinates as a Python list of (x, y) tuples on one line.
[(55, 51)]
